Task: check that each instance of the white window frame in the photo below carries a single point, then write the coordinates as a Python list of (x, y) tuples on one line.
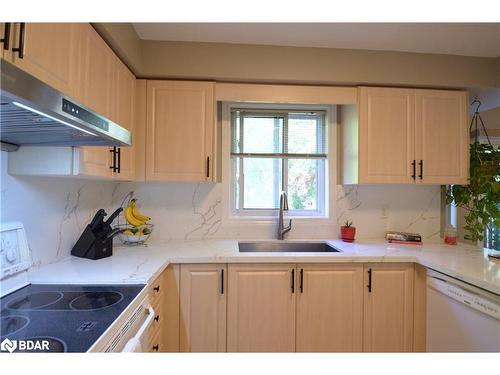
[(325, 183)]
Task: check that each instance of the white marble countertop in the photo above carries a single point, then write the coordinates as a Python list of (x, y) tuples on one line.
[(142, 264)]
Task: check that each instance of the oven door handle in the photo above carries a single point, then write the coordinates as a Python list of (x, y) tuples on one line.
[(135, 344)]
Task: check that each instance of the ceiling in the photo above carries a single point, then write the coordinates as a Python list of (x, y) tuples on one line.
[(468, 39)]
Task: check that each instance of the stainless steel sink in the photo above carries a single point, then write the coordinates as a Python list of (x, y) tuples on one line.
[(286, 247)]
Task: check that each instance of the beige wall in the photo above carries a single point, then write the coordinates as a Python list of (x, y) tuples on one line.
[(257, 63), (124, 41), (235, 62), (491, 118)]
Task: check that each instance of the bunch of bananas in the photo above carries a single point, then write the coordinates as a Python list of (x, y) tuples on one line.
[(133, 216)]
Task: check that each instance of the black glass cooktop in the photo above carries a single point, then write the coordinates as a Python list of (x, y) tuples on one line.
[(62, 318)]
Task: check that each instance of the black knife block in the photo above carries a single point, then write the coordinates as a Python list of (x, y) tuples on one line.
[(92, 246)]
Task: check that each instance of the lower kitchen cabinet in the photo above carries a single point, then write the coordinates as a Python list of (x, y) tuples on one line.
[(203, 308), (261, 308), (164, 299), (329, 308), (388, 307)]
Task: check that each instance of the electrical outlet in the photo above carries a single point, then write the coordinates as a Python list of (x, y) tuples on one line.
[(385, 212)]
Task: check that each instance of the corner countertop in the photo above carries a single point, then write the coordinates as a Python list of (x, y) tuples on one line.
[(142, 264)]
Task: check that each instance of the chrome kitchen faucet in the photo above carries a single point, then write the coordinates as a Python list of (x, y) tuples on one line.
[(283, 207)]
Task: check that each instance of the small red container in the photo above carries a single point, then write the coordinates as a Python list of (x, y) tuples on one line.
[(347, 234)]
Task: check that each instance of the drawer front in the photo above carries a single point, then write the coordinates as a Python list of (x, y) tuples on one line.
[(154, 343), (157, 321), (156, 290)]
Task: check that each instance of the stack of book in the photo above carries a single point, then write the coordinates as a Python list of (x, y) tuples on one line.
[(403, 238)]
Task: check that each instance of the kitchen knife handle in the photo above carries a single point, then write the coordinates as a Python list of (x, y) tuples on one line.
[(114, 215)]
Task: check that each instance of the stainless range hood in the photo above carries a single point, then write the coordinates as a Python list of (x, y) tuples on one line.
[(33, 113)]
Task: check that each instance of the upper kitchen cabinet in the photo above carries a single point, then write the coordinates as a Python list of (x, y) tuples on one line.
[(97, 73), (386, 135), (179, 134), (47, 51), (108, 87), (5, 39), (124, 87), (442, 137), (405, 136)]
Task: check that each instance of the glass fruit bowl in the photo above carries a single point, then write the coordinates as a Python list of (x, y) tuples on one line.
[(131, 235)]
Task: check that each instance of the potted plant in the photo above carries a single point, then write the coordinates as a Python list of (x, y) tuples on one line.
[(480, 198), (347, 232)]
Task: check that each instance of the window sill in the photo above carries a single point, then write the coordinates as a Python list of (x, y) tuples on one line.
[(269, 219)]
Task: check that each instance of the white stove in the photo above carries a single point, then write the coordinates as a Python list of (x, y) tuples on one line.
[(65, 318)]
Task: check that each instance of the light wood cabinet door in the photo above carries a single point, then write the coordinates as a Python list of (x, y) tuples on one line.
[(180, 120), (93, 161), (388, 307), (203, 308), (6, 36), (386, 135), (329, 308), (50, 53), (98, 73), (98, 70), (124, 116), (442, 137), (261, 308)]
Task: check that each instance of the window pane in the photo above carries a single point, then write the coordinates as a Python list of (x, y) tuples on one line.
[(305, 134), (262, 134), (303, 183), (262, 182)]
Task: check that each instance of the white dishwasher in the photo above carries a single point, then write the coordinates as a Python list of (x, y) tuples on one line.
[(461, 317)]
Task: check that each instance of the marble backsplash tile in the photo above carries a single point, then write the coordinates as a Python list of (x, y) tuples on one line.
[(55, 211), (194, 211)]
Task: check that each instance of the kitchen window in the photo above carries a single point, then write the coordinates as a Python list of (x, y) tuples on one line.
[(274, 151)]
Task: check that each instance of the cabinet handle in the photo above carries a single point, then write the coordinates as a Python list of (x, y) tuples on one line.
[(119, 153), (369, 286), (208, 166), (157, 289), (157, 318), (222, 281), (6, 36), (293, 280), (414, 165), (20, 49), (156, 347), (113, 167), (421, 164), (301, 280)]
